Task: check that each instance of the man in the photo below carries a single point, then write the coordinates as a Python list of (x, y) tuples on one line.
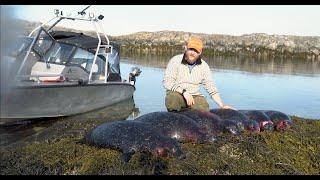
[(184, 75)]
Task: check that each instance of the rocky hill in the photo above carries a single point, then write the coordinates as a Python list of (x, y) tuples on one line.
[(257, 44)]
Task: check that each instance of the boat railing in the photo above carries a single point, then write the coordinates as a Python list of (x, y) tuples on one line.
[(91, 18), (105, 50), (107, 53)]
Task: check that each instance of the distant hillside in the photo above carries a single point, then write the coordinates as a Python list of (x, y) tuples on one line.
[(257, 44)]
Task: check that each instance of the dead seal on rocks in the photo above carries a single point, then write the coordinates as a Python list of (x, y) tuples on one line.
[(280, 120), (130, 137), (251, 126), (175, 126), (232, 127), (213, 123), (264, 121), (210, 122)]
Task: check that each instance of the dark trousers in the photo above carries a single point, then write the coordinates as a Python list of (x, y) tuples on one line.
[(175, 102)]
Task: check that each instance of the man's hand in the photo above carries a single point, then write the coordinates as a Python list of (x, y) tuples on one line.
[(227, 107), (188, 97)]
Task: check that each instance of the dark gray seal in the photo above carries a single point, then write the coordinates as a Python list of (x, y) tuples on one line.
[(213, 124), (234, 115), (210, 122), (264, 121), (232, 127), (130, 137), (175, 126), (280, 120), (229, 114)]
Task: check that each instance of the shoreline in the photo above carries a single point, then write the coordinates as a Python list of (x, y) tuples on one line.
[(260, 53), (252, 45)]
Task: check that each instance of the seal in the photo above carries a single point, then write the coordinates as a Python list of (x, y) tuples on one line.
[(280, 120), (264, 121), (174, 125), (232, 127), (210, 122), (251, 126), (130, 137), (229, 114)]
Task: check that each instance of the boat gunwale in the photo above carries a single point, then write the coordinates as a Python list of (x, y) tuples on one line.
[(66, 84)]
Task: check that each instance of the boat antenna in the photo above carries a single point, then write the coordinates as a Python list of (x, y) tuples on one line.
[(83, 11)]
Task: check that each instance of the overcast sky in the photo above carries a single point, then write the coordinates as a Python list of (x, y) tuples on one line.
[(302, 20)]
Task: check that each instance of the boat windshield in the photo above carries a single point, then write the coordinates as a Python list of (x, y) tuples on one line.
[(43, 43), (72, 50), (85, 59), (60, 53)]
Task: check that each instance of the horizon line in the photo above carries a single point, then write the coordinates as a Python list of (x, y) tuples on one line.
[(135, 32)]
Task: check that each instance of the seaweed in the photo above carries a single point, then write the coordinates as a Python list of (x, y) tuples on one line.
[(295, 151)]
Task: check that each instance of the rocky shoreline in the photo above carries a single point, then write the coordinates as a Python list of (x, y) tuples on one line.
[(258, 45)]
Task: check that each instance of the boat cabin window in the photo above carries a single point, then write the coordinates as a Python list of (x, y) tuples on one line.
[(43, 43), (85, 59), (60, 53)]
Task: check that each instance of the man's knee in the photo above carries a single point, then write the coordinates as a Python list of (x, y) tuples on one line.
[(200, 104), (201, 107), (174, 101)]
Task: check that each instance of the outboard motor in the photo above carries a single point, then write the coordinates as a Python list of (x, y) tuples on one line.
[(135, 71)]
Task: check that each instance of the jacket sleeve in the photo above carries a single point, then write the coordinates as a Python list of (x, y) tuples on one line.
[(208, 81), (170, 75)]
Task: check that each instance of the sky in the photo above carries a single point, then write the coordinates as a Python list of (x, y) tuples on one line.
[(301, 20)]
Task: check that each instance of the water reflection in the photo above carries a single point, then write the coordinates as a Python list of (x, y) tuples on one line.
[(120, 111), (272, 66), (26, 131), (241, 63)]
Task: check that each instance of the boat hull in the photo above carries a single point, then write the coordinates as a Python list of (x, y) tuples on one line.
[(54, 100)]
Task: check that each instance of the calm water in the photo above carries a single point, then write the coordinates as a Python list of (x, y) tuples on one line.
[(290, 86)]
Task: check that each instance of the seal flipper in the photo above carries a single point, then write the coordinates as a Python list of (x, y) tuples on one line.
[(126, 156)]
